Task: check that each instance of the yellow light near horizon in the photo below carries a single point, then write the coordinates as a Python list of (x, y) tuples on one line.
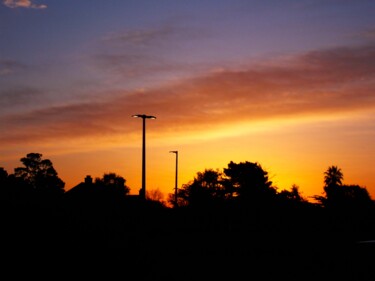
[(293, 151)]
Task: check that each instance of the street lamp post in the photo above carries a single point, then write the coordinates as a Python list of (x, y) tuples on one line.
[(142, 192), (175, 188)]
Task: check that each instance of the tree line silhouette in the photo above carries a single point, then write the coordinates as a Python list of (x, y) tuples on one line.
[(233, 207)]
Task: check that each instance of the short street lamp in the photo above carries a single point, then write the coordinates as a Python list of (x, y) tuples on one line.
[(142, 192), (175, 188)]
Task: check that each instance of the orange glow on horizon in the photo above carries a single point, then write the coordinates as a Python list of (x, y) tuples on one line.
[(292, 152)]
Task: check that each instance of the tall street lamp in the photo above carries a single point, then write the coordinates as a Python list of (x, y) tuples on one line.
[(175, 188), (142, 192)]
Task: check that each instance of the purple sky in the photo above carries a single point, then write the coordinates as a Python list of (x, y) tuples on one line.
[(73, 72)]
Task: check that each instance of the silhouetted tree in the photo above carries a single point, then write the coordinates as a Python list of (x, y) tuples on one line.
[(357, 196), (3, 174), (181, 201), (205, 189), (343, 199), (333, 190), (333, 177), (292, 195), (39, 174), (4, 180), (249, 181), (4, 184), (155, 195), (112, 183)]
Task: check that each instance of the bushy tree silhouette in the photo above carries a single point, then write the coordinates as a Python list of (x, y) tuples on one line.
[(3, 174), (113, 183), (293, 195), (357, 196), (4, 179), (156, 196), (5, 187), (206, 189), (250, 181), (39, 174)]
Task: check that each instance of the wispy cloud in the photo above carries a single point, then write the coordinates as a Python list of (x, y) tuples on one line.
[(145, 52), (156, 36), (140, 37), (21, 98), (8, 67), (319, 83), (23, 4)]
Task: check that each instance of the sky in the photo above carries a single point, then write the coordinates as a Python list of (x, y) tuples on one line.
[(288, 84)]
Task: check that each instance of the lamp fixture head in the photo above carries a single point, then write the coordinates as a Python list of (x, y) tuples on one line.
[(143, 116)]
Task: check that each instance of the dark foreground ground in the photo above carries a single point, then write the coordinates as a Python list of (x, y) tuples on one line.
[(195, 256), (253, 256), (134, 248)]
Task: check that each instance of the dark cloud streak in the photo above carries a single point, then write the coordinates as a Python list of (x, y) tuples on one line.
[(322, 82)]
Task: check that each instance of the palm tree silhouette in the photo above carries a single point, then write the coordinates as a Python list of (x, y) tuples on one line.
[(333, 176)]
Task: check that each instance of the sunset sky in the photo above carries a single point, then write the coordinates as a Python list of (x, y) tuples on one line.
[(287, 84)]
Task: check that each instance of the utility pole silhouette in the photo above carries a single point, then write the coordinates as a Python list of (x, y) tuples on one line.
[(142, 192), (175, 188)]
